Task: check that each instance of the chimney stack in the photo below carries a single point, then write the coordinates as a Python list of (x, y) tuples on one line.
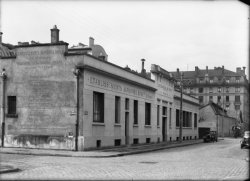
[(1, 37), (54, 34), (143, 71), (238, 70), (178, 71), (196, 69), (207, 69), (244, 68), (91, 41)]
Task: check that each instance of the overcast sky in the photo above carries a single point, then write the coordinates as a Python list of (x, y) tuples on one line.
[(172, 34)]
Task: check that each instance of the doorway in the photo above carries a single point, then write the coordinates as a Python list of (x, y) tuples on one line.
[(164, 129), (126, 128)]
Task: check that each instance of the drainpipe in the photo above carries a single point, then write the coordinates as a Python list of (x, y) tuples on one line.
[(77, 74), (4, 77)]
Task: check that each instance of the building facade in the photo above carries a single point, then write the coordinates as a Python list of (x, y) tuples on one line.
[(214, 118), (72, 98), (226, 88)]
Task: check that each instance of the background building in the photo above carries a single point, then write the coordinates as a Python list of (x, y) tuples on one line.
[(214, 118), (226, 88)]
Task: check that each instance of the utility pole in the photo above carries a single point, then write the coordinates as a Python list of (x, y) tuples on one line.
[(181, 87), (4, 77), (223, 84)]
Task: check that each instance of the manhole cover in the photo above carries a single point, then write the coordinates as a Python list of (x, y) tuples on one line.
[(149, 162)]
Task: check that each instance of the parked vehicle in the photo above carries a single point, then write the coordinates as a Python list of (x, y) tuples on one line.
[(245, 142), (211, 136)]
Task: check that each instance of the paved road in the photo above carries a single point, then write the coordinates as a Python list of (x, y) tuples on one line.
[(223, 160)]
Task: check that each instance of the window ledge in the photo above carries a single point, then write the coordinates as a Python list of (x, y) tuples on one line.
[(158, 127), (98, 124), (118, 124), (12, 115), (147, 126), (135, 125), (184, 127)]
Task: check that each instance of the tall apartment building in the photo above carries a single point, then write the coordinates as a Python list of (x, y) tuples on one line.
[(226, 88)]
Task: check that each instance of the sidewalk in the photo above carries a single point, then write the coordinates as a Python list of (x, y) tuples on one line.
[(112, 152)]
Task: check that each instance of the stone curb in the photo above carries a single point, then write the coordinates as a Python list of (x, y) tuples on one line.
[(9, 170), (103, 156)]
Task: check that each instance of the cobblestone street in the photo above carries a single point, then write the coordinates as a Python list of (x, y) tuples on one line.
[(223, 160)]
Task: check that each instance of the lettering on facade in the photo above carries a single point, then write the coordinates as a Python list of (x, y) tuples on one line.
[(119, 88), (166, 91), (38, 57)]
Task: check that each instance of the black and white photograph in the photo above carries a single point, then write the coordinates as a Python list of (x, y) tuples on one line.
[(124, 90)]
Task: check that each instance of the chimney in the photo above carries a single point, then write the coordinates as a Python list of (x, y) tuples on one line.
[(178, 71), (196, 69), (207, 69), (143, 71), (244, 68), (54, 34), (238, 70), (1, 37), (91, 41)]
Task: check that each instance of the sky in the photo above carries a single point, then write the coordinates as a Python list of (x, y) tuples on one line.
[(172, 34)]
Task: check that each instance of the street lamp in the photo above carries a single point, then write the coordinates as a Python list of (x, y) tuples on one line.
[(77, 73), (4, 77)]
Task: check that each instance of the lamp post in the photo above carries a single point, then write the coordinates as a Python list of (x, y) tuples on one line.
[(4, 77), (77, 72)]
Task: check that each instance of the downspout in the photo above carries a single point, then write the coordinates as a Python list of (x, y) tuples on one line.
[(77, 74), (4, 77)]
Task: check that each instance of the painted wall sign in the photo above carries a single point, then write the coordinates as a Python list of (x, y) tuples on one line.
[(115, 86)]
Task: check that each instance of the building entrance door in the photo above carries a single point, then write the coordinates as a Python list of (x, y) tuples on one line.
[(126, 128), (164, 129)]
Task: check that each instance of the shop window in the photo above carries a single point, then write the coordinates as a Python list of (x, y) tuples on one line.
[(135, 112), (147, 113), (11, 105), (117, 109), (98, 107)]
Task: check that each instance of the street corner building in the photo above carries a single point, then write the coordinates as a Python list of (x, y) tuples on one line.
[(56, 97)]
